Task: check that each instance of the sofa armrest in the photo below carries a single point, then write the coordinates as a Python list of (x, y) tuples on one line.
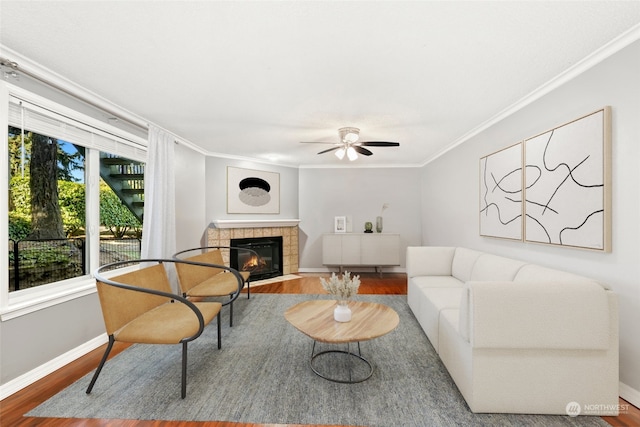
[(537, 315), (429, 260)]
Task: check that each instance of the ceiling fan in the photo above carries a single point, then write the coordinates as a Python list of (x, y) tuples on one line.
[(350, 145)]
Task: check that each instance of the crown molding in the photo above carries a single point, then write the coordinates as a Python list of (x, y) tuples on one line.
[(588, 62)]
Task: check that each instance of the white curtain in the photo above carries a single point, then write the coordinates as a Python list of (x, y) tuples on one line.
[(159, 226)]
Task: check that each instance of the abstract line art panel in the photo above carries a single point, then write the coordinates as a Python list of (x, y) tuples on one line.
[(567, 184), (252, 191), (501, 193)]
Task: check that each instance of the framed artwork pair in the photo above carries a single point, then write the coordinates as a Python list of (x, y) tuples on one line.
[(553, 188)]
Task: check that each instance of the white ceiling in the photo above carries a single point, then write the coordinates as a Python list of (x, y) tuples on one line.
[(253, 79)]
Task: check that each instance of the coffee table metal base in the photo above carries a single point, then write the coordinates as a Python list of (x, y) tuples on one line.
[(351, 356)]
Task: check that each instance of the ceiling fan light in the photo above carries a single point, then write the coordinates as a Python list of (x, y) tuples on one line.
[(351, 137), (351, 153), (340, 153)]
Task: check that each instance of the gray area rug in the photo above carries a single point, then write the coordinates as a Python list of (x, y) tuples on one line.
[(262, 375)]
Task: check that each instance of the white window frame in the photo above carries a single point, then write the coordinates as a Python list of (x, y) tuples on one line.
[(25, 301)]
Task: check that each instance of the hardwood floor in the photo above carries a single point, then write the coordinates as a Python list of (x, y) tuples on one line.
[(13, 408)]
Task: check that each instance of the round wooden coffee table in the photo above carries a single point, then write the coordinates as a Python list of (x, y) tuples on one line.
[(369, 320)]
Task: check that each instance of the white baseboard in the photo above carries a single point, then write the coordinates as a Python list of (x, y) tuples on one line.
[(314, 270), (355, 269), (51, 366), (629, 394)]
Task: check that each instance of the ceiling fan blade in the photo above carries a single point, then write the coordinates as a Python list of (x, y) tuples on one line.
[(328, 150), (362, 151), (379, 144)]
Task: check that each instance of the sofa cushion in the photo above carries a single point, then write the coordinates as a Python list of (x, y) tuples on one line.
[(451, 316), (429, 261), (463, 262), (538, 315), (532, 272), (434, 301), (416, 293), (493, 267), (436, 282), (464, 314)]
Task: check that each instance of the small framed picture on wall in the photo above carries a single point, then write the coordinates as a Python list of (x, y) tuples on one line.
[(340, 224)]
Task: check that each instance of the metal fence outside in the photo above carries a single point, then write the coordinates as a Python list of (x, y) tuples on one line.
[(112, 250), (38, 262)]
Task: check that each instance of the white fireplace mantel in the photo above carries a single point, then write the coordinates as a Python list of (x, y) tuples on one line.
[(254, 223)]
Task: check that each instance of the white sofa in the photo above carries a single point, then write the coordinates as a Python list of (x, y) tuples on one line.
[(517, 337)]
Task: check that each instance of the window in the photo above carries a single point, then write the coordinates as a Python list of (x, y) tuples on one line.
[(75, 200), (46, 210), (121, 208)]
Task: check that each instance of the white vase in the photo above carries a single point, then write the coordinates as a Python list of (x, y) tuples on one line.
[(342, 312)]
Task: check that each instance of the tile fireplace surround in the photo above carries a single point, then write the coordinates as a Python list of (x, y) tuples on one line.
[(220, 233)]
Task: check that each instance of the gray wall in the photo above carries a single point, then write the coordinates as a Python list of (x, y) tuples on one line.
[(360, 194), (216, 189), (191, 221), (32, 340), (450, 190)]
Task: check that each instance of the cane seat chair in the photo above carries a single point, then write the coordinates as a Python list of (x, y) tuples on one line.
[(140, 307)]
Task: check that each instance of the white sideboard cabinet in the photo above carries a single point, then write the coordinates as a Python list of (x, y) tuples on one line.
[(361, 249)]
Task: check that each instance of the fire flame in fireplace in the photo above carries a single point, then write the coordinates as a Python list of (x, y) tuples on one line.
[(254, 262)]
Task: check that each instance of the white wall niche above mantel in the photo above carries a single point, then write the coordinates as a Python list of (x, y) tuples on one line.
[(254, 223)]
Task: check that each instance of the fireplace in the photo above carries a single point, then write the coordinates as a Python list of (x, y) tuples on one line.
[(222, 231), (267, 264)]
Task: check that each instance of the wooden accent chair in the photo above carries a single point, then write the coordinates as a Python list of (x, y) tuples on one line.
[(200, 282), (140, 307)]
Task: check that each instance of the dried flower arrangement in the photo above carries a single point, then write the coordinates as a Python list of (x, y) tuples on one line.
[(343, 287)]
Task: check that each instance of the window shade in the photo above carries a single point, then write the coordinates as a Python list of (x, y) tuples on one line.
[(31, 117)]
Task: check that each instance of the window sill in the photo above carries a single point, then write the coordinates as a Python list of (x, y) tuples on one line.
[(27, 301)]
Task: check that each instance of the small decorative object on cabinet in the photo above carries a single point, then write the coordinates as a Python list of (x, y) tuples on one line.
[(379, 218), (368, 227), (378, 224), (342, 288)]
